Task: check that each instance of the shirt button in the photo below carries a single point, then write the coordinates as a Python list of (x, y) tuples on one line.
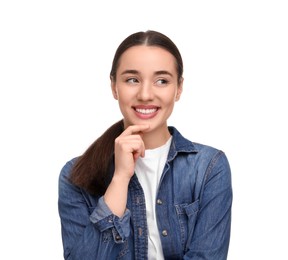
[(164, 233), (118, 238), (159, 202), (140, 231)]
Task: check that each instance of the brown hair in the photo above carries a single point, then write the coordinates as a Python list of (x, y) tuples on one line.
[(91, 170)]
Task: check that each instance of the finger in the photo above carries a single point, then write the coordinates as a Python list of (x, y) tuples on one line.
[(134, 145), (136, 156), (130, 143), (139, 153), (133, 129), (135, 138)]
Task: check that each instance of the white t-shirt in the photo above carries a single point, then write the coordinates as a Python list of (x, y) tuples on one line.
[(149, 170)]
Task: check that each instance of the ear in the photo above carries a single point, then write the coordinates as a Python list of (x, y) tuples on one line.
[(179, 90), (114, 89)]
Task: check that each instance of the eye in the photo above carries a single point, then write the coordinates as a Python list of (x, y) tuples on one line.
[(162, 82), (132, 81)]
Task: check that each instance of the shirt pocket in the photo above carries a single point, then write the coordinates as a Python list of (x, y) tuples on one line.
[(187, 215)]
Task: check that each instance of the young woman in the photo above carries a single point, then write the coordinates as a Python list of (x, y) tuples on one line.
[(141, 190)]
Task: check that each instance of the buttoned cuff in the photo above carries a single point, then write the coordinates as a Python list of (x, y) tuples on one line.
[(103, 219)]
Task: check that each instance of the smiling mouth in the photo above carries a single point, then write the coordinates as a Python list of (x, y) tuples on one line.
[(146, 111)]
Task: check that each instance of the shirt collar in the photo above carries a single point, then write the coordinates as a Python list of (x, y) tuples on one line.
[(179, 144)]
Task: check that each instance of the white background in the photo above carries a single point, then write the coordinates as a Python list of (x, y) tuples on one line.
[(55, 100)]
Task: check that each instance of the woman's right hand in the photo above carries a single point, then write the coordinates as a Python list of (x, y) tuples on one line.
[(129, 146)]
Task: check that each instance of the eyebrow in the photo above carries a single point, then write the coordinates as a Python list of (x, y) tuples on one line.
[(163, 72), (130, 72), (159, 72)]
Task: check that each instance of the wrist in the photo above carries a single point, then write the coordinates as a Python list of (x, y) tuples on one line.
[(121, 178)]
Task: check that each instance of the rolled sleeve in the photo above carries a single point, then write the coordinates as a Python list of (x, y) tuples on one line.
[(103, 219)]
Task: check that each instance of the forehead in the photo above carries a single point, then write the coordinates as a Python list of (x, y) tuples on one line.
[(147, 57)]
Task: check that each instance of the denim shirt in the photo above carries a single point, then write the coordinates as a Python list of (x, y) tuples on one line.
[(193, 208)]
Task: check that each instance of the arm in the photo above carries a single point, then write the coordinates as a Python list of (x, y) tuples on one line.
[(88, 233), (98, 233), (211, 235), (129, 146)]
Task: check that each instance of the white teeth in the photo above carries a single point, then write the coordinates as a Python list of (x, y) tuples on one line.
[(146, 111)]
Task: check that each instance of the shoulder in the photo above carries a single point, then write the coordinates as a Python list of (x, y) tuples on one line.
[(208, 152), (213, 163), (66, 169), (201, 154), (182, 144), (204, 148)]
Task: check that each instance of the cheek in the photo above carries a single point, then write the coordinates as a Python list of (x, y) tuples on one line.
[(170, 98), (126, 94), (123, 100)]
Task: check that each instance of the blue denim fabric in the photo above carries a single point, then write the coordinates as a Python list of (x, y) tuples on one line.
[(193, 208)]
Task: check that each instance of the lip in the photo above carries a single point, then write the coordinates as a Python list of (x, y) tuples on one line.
[(146, 111)]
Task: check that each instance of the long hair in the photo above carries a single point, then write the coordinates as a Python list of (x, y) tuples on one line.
[(91, 169)]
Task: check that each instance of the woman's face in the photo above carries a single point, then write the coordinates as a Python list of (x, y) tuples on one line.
[(146, 86)]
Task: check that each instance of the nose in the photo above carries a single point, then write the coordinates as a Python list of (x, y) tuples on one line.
[(145, 92)]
